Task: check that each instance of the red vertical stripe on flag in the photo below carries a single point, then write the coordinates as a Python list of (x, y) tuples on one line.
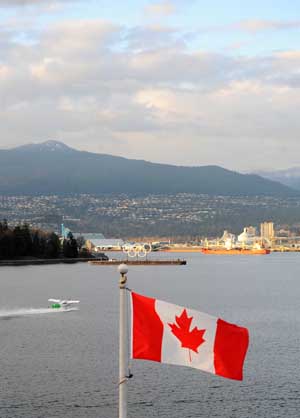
[(147, 329), (231, 344)]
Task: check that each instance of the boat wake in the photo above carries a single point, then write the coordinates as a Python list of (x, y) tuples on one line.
[(16, 313)]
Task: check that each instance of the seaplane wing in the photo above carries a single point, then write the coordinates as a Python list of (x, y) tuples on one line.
[(63, 301)]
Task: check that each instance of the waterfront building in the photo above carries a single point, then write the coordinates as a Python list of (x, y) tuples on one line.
[(107, 244), (245, 238), (250, 230), (267, 230), (65, 232)]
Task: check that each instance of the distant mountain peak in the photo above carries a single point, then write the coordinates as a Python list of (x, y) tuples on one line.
[(50, 145), (54, 145)]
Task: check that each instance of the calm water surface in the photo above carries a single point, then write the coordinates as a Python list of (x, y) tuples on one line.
[(66, 364)]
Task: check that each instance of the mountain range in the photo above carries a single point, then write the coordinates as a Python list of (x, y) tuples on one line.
[(289, 177), (54, 168)]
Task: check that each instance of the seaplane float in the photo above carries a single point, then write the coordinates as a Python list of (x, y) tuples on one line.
[(63, 304)]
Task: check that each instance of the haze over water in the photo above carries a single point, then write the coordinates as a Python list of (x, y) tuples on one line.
[(66, 364)]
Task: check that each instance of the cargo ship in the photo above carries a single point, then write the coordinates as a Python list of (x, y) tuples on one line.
[(236, 251)]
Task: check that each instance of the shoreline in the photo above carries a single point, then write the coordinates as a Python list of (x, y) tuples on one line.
[(44, 261), (199, 250)]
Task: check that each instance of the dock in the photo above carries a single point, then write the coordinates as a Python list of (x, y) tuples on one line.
[(139, 262)]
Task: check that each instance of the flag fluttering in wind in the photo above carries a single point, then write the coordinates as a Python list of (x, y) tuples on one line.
[(171, 334)]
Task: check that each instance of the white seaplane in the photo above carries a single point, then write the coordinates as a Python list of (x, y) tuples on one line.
[(63, 303)]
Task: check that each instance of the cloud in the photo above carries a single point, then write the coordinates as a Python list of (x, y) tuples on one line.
[(12, 3), (160, 9), (151, 37), (104, 87), (258, 25)]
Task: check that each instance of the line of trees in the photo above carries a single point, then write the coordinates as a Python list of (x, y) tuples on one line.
[(23, 241)]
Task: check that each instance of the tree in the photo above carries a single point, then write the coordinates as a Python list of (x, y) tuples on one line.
[(23, 241), (70, 249), (52, 247), (80, 241)]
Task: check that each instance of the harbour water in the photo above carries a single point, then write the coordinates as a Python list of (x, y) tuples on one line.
[(66, 364)]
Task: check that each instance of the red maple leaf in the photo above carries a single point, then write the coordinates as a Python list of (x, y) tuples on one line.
[(189, 339)]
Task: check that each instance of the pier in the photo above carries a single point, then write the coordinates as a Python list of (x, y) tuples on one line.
[(138, 262)]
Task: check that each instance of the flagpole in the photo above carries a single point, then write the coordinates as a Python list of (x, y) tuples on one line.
[(123, 355)]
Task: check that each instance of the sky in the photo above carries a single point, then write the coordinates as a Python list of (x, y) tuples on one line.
[(185, 82)]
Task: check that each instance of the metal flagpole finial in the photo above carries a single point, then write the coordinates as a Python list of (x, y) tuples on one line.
[(123, 269)]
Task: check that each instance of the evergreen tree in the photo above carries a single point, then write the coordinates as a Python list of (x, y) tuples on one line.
[(52, 247), (22, 241), (70, 249)]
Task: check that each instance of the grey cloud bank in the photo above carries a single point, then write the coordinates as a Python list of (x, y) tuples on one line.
[(141, 93)]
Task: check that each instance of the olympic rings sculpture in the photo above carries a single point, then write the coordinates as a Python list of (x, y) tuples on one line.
[(137, 249)]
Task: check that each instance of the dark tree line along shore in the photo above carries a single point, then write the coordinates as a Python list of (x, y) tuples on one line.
[(23, 241)]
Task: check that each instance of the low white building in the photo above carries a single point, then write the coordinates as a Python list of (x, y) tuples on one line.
[(245, 238), (107, 244)]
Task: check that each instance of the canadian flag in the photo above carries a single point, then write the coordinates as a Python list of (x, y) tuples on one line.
[(172, 334)]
